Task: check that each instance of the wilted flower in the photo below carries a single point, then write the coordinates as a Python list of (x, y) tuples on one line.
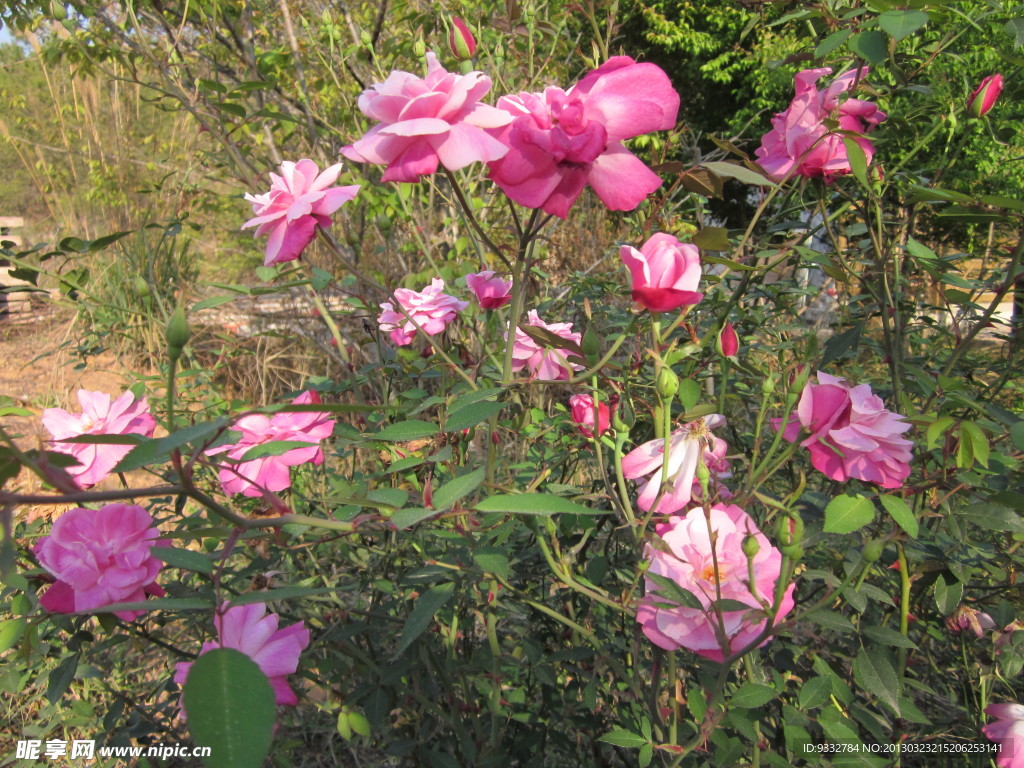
[(423, 122), (431, 308), (251, 630), (544, 363), (985, 95), (100, 557), (299, 199), (561, 141), (100, 416), (665, 272), (800, 143), (492, 292), (850, 433), (965, 617), (707, 556), (689, 445), (272, 473)]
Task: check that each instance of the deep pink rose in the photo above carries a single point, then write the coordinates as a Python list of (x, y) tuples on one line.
[(801, 144), (728, 341), (1008, 730), (124, 416), (460, 40), (299, 199), (688, 446), (582, 407), (251, 630), (850, 433), (559, 142), (492, 292), (431, 308), (544, 363), (689, 562), (423, 122), (665, 273), (985, 95), (100, 557), (271, 473)]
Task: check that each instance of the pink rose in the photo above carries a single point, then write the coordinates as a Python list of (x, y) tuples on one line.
[(665, 273), (695, 544), (985, 96), (492, 292), (271, 473), (431, 308), (688, 446), (423, 122), (544, 363), (728, 342), (124, 416), (100, 557), (559, 141), (251, 630), (850, 433), (299, 199), (582, 407), (1008, 730), (800, 143)]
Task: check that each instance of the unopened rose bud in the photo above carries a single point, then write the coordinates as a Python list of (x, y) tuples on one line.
[(461, 40), (872, 550), (728, 342), (751, 547), (668, 383), (768, 385), (985, 96), (591, 346), (178, 332)]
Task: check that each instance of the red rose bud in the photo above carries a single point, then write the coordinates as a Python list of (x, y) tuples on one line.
[(461, 40), (985, 95), (728, 341)]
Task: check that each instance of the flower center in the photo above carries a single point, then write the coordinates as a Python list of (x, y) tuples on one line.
[(708, 573)]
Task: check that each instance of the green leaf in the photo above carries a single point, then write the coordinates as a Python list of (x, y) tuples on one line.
[(11, 631), (76, 244), (1017, 435), (274, 448), (534, 504), (888, 637), (102, 242), (739, 172), (60, 678), (457, 488), (815, 692), (869, 45), (266, 274), (948, 595), (159, 603), (848, 513), (858, 161), (185, 559), (712, 239), (842, 344), (751, 695), (620, 737), (831, 620), (901, 24), (901, 513), (992, 517), (979, 443), (429, 603), (409, 462), (689, 393), (833, 41), (281, 593), (938, 428), (492, 560), (875, 674), (408, 517), (155, 451), (471, 415), (670, 591), (404, 431), (230, 707)]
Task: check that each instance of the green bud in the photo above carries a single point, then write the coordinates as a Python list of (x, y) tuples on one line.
[(783, 532), (419, 48), (591, 346), (668, 383), (141, 286), (768, 385), (58, 11), (872, 550), (796, 527), (792, 551), (751, 547), (178, 332)]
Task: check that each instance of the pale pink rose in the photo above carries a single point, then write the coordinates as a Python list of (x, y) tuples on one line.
[(431, 308), (985, 95), (299, 200), (100, 416), (690, 562), (801, 144), (100, 557), (582, 407), (1008, 731), (424, 122), (492, 292), (271, 473), (253, 631), (850, 433), (544, 363), (665, 273), (561, 141), (688, 446), (965, 617)]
